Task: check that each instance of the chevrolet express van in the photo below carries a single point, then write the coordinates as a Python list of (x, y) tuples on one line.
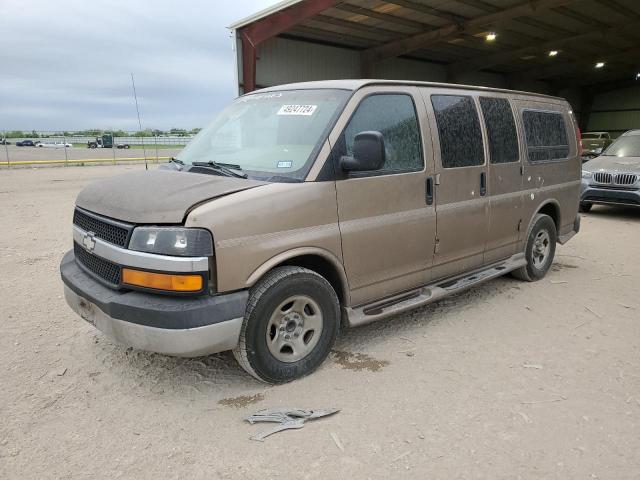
[(309, 206)]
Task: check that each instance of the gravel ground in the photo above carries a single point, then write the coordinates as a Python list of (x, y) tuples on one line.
[(509, 380)]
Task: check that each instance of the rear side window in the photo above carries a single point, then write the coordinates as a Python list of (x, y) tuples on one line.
[(546, 135), (459, 131), (393, 115), (501, 130)]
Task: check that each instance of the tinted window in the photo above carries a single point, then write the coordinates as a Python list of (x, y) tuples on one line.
[(395, 117), (501, 130), (546, 135), (459, 131)]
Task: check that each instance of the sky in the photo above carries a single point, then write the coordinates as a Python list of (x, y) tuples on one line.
[(67, 64)]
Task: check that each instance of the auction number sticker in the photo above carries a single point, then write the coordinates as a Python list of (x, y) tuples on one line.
[(305, 110)]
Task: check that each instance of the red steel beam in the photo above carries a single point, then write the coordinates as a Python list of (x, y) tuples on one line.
[(248, 64), (257, 32)]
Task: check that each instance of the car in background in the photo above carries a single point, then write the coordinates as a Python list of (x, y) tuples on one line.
[(594, 143), (106, 141), (4, 141), (27, 143), (613, 178), (54, 145)]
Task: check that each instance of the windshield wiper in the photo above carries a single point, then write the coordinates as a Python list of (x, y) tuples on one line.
[(227, 169)]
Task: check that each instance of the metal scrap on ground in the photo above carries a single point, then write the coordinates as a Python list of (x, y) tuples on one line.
[(286, 418)]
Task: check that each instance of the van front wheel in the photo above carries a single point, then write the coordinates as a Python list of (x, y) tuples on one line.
[(290, 325), (540, 249)]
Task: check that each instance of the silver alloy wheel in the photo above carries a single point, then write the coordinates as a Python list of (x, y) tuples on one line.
[(541, 249), (294, 328)]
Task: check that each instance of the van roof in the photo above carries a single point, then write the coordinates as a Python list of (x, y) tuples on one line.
[(355, 84)]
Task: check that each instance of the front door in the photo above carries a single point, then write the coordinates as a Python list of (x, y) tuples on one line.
[(386, 222), (462, 205)]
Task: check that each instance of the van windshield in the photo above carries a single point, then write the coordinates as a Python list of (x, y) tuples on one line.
[(625, 146), (271, 135)]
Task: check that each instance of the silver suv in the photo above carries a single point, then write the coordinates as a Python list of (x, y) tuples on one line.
[(613, 177)]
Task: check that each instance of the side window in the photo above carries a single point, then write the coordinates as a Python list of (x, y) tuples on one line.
[(393, 115), (501, 130), (546, 135), (459, 131)]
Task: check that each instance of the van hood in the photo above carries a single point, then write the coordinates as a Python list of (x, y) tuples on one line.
[(157, 196), (613, 164)]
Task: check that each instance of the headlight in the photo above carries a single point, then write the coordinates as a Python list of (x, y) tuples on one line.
[(176, 241), (586, 174)]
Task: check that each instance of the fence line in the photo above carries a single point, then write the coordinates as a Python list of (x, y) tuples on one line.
[(56, 149), (83, 161)]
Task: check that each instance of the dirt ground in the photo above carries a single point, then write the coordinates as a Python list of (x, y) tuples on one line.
[(509, 380)]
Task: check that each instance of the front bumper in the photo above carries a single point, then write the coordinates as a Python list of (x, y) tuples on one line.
[(179, 326), (612, 196)]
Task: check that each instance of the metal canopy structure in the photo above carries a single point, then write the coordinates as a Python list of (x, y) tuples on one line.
[(455, 34)]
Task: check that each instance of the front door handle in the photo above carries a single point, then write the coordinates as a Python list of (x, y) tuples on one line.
[(483, 184), (429, 190)]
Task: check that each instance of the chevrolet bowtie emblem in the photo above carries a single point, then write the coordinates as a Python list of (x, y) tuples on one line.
[(89, 241)]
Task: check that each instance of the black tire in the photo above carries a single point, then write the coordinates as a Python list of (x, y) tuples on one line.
[(276, 287), (585, 207), (534, 270)]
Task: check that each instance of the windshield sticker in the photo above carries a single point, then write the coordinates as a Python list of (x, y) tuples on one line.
[(286, 164), (305, 110)]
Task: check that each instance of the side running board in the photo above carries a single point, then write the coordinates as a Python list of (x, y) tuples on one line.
[(429, 293)]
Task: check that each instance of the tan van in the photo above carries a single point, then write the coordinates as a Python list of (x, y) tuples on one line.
[(305, 207)]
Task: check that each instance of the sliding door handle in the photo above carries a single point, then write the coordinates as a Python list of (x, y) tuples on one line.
[(483, 184), (429, 191)]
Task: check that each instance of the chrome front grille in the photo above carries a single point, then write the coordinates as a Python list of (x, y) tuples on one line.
[(615, 179), (107, 229), (603, 177), (626, 179)]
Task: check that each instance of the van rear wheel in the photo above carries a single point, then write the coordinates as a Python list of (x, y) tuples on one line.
[(290, 325), (540, 249)]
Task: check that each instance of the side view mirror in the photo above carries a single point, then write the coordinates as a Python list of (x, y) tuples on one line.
[(368, 153)]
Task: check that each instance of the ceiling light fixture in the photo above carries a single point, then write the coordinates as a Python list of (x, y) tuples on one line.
[(553, 53), (491, 36), (599, 64)]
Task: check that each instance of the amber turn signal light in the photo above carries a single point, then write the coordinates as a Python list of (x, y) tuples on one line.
[(162, 281)]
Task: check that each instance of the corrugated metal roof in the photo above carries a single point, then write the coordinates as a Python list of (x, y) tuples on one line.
[(372, 25), (263, 13)]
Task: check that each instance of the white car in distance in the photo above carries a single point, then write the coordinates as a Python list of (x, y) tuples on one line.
[(55, 145)]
